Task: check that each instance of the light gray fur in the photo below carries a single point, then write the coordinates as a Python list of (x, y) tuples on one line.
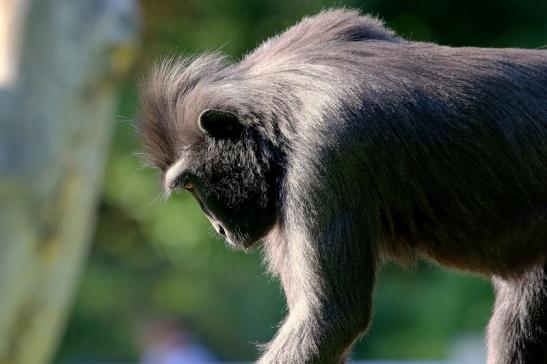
[(388, 149)]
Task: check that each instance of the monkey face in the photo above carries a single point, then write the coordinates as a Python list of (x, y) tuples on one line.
[(242, 222), (230, 175), (210, 148)]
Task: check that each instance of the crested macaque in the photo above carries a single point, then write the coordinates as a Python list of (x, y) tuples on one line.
[(338, 145)]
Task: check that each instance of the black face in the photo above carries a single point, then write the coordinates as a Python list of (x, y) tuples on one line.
[(241, 225), (232, 178)]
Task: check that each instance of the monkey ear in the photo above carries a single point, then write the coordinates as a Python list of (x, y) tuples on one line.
[(220, 124)]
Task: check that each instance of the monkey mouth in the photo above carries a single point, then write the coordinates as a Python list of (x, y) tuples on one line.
[(242, 244), (236, 240)]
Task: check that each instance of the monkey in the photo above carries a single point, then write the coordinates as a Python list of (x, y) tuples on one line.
[(338, 146)]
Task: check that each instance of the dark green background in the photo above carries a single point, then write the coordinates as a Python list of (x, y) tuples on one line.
[(151, 257)]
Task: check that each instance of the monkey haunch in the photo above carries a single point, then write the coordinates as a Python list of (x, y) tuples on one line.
[(340, 145)]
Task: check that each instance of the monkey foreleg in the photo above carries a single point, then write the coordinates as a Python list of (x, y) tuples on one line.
[(309, 336), (517, 333)]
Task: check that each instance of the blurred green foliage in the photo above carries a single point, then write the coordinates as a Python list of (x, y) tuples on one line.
[(154, 257)]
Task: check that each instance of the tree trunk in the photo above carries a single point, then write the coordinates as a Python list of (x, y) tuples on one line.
[(56, 106)]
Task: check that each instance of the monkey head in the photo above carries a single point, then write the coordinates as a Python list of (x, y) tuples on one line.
[(205, 145)]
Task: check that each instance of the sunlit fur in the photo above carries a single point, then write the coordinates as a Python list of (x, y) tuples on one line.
[(371, 147)]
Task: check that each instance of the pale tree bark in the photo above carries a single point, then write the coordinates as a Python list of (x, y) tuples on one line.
[(57, 102)]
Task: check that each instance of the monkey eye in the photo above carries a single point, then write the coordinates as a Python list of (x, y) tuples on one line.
[(178, 178)]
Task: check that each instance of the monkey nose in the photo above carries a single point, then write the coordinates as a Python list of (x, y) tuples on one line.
[(220, 230)]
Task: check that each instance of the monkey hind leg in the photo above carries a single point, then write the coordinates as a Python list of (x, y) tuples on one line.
[(517, 333)]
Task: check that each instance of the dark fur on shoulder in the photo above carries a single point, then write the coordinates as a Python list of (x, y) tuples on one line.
[(341, 145)]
